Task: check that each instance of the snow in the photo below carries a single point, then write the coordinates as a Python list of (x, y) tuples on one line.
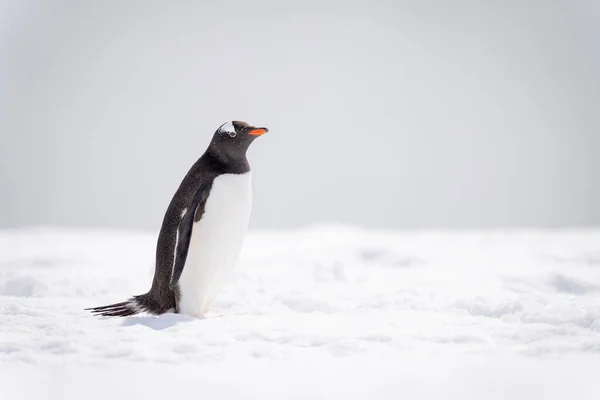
[(328, 311)]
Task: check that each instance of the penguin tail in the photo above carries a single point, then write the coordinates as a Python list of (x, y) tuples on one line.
[(134, 305)]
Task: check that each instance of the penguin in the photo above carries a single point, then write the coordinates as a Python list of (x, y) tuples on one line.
[(202, 231)]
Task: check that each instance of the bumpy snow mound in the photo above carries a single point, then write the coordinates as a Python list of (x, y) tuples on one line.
[(329, 311)]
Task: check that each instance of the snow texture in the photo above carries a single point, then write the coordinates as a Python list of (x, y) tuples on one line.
[(326, 312)]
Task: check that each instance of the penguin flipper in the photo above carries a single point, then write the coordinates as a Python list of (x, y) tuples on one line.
[(184, 231)]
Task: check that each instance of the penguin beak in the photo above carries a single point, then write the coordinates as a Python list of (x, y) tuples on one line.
[(258, 131)]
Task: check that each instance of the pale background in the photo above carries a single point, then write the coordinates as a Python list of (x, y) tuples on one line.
[(397, 114)]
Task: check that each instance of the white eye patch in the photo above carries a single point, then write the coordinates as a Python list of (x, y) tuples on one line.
[(228, 128)]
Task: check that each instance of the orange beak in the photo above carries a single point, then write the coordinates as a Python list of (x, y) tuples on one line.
[(258, 131)]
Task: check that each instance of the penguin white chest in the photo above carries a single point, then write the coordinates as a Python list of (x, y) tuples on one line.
[(215, 243)]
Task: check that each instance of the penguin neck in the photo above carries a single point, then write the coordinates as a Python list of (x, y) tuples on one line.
[(229, 159)]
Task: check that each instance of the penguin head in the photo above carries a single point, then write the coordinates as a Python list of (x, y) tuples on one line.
[(234, 137), (240, 129)]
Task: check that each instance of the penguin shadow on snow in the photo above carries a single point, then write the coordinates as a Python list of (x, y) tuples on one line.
[(160, 322), (164, 321)]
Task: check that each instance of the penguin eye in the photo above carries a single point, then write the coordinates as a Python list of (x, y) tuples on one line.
[(228, 128)]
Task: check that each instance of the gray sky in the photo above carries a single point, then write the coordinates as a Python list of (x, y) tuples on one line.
[(382, 114)]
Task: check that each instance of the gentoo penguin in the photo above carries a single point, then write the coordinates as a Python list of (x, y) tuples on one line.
[(202, 230)]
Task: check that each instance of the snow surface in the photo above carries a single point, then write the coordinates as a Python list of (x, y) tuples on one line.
[(327, 312)]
